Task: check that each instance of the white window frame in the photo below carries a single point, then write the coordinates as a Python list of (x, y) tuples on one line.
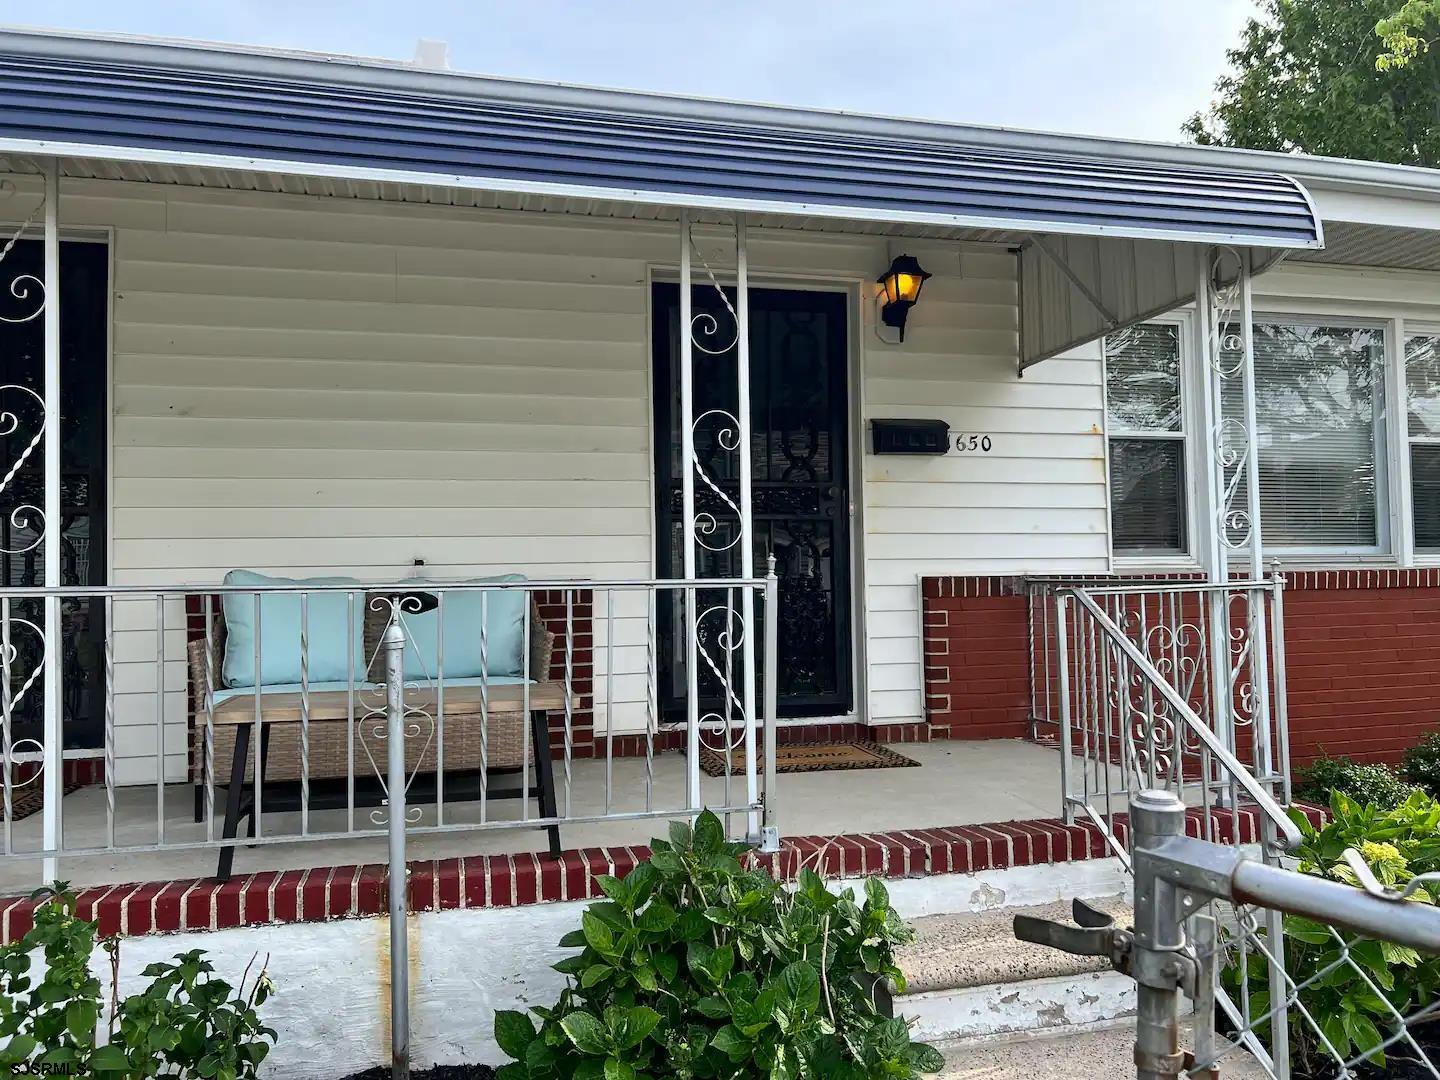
[(1385, 533), (1405, 328), (1394, 517), (1192, 458)]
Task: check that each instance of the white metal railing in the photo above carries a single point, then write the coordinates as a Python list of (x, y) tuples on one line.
[(262, 729), (1177, 689), (1158, 685)]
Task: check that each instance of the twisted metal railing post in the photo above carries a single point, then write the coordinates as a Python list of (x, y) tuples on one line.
[(392, 644)]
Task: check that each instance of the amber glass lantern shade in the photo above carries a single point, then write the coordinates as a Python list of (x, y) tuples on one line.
[(901, 285)]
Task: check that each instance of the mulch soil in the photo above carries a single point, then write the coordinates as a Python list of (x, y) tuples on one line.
[(1400, 1061)]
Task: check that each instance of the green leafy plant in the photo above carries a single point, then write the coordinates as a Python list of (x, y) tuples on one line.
[(185, 1022), (1399, 844), (698, 966), (1421, 764), (1370, 784)]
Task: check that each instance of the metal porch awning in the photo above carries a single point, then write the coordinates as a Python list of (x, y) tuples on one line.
[(1107, 234)]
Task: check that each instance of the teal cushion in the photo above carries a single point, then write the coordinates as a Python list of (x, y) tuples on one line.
[(504, 615), (361, 686), (280, 632)]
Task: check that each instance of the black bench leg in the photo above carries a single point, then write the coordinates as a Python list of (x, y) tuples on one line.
[(199, 802), (234, 794), (263, 771), (545, 774)]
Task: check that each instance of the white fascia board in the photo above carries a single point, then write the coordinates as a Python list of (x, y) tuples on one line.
[(1386, 207), (44, 148)]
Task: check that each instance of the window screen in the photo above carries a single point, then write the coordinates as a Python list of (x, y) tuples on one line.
[(1318, 392), (1147, 442), (1422, 409)]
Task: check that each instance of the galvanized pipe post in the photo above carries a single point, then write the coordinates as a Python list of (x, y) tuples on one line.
[(1156, 816), (1062, 667), (770, 828), (392, 644)]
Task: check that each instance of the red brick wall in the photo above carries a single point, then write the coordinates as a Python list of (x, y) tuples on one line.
[(580, 622), (1363, 659), (977, 667), (1362, 650)]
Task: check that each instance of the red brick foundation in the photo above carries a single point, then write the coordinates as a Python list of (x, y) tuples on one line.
[(490, 881), (1362, 651)]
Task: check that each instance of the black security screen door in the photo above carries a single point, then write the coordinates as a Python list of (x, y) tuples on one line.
[(84, 291), (801, 486)]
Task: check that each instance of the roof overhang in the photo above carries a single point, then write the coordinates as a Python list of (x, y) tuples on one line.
[(1103, 225)]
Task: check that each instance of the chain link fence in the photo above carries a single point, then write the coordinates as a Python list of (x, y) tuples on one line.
[(1354, 1005), (1301, 977)]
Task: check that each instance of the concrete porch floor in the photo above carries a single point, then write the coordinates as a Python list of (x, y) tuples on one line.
[(957, 783)]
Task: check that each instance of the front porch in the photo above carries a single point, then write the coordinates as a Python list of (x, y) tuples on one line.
[(619, 406), (956, 784)]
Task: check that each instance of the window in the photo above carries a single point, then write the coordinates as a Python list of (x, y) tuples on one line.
[(1422, 392), (1147, 439), (1318, 398), (1319, 401)]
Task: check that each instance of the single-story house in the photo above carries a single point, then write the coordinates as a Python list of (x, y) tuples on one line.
[(283, 333)]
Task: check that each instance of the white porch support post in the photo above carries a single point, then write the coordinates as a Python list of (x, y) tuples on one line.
[(1260, 665), (747, 538), (1259, 634), (687, 513), (54, 735), (1213, 550), (1233, 446)]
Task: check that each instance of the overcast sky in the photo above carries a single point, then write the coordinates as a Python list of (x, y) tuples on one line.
[(1130, 68)]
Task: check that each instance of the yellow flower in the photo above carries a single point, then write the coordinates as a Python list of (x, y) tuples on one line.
[(1379, 854)]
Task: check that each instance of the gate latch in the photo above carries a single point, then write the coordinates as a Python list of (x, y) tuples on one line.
[(1094, 934)]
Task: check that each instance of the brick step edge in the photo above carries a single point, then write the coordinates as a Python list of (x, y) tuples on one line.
[(498, 881)]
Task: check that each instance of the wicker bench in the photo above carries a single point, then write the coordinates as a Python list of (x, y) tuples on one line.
[(484, 735)]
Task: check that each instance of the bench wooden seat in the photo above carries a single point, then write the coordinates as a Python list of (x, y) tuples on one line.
[(279, 708), (485, 731)]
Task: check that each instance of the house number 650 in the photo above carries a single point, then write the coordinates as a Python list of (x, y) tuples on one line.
[(969, 443)]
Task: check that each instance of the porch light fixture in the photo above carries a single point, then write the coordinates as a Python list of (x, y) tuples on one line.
[(901, 285)]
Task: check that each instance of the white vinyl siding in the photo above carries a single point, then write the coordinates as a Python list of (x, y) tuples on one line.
[(305, 385), (1034, 504)]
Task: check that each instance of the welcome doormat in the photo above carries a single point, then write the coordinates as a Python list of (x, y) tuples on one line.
[(813, 757), (30, 799)]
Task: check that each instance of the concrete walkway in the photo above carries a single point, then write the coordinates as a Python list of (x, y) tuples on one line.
[(1107, 1054), (957, 783)]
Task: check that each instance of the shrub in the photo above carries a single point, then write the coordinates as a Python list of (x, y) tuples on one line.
[(1421, 764), (1398, 843), (697, 967), (186, 1022), (1372, 785)]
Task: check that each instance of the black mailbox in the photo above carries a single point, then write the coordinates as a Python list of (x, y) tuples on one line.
[(909, 436)]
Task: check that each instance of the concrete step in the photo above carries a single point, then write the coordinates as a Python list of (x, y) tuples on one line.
[(980, 948), (967, 977), (1103, 1054)]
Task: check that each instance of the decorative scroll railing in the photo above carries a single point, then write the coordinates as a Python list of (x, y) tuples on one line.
[(1159, 686), (1179, 690), (727, 653)]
